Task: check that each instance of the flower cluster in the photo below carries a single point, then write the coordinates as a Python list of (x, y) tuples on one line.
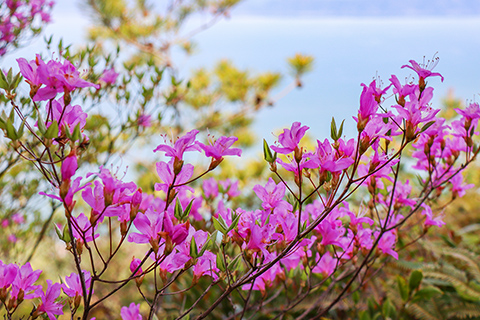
[(16, 16), (302, 220)]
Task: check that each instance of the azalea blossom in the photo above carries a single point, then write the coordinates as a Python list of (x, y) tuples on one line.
[(290, 138), (131, 313), (49, 304), (221, 147)]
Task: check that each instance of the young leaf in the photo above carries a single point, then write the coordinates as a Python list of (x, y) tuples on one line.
[(234, 223), (193, 249), (340, 131), (52, 131), (20, 129), (232, 266), (218, 226), (77, 134), (402, 287), (267, 153), (41, 124), (3, 81), (178, 210), (333, 130), (187, 210), (220, 262), (11, 132), (415, 279), (426, 293)]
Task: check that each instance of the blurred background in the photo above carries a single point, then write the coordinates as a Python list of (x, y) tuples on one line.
[(352, 42)]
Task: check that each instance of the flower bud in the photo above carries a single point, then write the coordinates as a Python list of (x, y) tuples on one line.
[(177, 166), (135, 204), (76, 301), (123, 228)]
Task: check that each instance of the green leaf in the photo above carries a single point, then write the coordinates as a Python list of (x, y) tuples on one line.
[(11, 132), (20, 129), (234, 223), (340, 131), (356, 297), (426, 293), (10, 76), (218, 226), (333, 130), (187, 210), (52, 131), (77, 134), (364, 315), (210, 243), (402, 287), (66, 234), (16, 80), (41, 124), (3, 81), (415, 279), (427, 125), (220, 262), (58, 231), (178, 210), (193, 249), (267, 153), (387, 308), (233, 265)]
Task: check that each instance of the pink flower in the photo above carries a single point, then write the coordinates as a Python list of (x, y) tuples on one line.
[(69, 167), (210, 188), (67, 117), (109, 76), (230, 188), (24, 282), (134, 265), (328, 159), (8, 273), (326, 265), (73, 285), (220, 148), (387, 243), (368, 105), (272, 196), (183, 144), (68, 199), (459, 188), (206, 265), (144, 120), (82, 228), (29, 71), (422, 72), (48, 304), (166, 173), (290, 138), (18, 218), (431, 220), (402, 91), (131, 313), (150, 224)]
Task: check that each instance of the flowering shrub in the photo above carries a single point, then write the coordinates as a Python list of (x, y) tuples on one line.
[(316, 230), (310, 231)]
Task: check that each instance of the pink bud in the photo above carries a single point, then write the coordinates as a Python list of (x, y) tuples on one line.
[(134, 265), (69, 166)]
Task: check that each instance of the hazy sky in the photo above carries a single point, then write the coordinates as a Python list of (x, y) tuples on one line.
[(370, 8)]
